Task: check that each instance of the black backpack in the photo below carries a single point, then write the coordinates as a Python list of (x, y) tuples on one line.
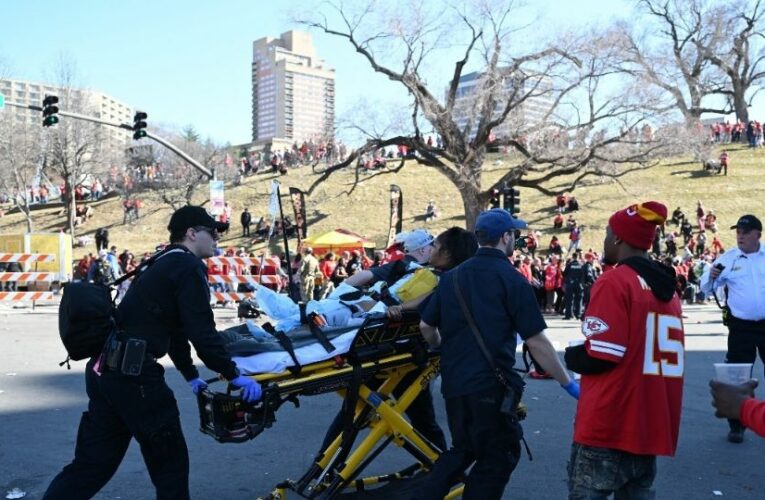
[(87, 315)]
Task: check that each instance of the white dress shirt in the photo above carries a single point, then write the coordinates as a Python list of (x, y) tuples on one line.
[(744, 274)]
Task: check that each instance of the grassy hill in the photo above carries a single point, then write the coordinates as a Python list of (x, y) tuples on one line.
[(365, 210)]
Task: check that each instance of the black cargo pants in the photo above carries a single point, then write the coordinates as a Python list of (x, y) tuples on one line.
[(123, 407)]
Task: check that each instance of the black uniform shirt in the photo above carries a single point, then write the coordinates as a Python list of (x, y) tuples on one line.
[(574, 272), (502, 303), (168, 305)]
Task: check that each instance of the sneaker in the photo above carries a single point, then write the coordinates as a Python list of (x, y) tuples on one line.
[(736, 436), (539, 376)]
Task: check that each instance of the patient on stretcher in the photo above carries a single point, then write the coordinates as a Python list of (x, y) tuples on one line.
[(340, 315)]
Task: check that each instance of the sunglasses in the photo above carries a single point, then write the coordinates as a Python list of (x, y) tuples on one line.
[(204, 229)]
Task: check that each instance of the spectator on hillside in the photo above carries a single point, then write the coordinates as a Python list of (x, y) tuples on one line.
[(574, 237), (677, 217), (701, 241), (558, 221), (724, 159), (710, 221), (687, 231), (554, 248), (102, 238), (560, 202), (700, 214), (573, 205), (431, 212), (570, 223), (246, 220)]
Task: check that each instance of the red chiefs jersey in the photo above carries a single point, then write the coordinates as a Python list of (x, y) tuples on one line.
[(635, 406)]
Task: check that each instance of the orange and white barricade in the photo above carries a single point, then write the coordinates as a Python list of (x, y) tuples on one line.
[(28, 277), (27, 257), (228, 297), (235, 279), (25, 296)]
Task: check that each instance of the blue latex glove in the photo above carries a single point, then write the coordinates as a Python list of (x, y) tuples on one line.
[(572, 388), (197, 385), (251, 391)]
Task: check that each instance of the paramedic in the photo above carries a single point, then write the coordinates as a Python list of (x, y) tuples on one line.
[(166, 307)]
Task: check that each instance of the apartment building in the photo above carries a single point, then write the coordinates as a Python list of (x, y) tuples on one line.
[(530, 113), (82, 101), (293, 91)]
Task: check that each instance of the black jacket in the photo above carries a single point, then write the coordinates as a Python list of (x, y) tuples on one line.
[(168, 305)]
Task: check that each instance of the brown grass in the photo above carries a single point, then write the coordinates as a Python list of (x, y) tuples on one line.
[(365, 210)]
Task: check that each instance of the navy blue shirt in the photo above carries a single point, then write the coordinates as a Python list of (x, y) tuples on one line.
[(502, 303)]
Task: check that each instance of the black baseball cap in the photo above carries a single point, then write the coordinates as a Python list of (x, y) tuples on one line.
[(747, 223), (190, 216)]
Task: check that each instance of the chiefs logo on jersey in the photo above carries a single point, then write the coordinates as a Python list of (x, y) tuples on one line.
[(593, 325)]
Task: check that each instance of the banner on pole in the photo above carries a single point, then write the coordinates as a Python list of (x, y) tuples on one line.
[(396, 213), (273, 206), (217, 200), (298, 206)]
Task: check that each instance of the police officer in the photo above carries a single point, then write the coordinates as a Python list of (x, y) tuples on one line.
[(742, 271), (573, 276), (166, 307), (502, 303)]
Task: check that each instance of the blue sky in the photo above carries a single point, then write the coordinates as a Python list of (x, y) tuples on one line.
[(188, 61)]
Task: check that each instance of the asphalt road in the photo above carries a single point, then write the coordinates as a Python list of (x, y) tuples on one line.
[(40, 406)]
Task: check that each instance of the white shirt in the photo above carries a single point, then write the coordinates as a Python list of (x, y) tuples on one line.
[(744, 274)]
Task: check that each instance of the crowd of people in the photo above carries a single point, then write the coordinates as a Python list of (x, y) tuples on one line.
[(489, 282)]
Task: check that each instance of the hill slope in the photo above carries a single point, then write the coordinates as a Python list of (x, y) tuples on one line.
[(365, 210)]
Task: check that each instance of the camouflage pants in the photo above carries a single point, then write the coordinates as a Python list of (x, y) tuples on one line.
[(596, 473)]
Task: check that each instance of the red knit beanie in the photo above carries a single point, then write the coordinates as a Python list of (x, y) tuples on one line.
[(636, 224)]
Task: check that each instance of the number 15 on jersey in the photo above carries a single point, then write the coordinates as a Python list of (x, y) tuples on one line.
[(664, 356)]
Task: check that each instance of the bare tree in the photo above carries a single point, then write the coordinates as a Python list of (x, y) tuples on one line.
[(176, 181), (73, 147), (580, 127), (673, 58), (20, 161), (736, 48)]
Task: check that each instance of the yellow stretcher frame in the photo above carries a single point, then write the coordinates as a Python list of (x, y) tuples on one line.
[(336, 469), (325, 477)]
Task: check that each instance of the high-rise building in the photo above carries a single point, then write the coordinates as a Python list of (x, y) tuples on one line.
[(529, 113), (82, 101), (293, 92)]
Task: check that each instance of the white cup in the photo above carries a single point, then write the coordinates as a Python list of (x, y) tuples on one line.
[(733, 373), (572, 343)]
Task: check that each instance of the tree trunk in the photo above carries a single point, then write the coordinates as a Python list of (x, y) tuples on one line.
[(473, 203), (28, 214), (739, 102), (70, 204)]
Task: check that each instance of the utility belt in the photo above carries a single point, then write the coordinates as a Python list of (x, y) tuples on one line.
[(127, 357), (754, 324)]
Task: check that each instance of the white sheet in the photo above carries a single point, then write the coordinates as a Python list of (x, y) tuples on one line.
[(278, 361)]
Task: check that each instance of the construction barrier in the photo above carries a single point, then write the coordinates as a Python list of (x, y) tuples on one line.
[(25, 296), (228, 297), (47, 277), (245, 261), (268, 279), (27, 257), (27, 277)]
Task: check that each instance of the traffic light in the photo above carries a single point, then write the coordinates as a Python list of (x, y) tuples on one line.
[(139, 125), (494, 200), (50, 110), (511, 200)]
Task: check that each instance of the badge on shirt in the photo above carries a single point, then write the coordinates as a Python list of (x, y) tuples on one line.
[(593, 325)]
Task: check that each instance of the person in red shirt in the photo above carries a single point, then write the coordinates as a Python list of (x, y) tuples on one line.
[(737, 402), (632, 365)]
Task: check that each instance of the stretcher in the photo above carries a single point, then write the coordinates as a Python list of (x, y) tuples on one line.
[(383, 353)]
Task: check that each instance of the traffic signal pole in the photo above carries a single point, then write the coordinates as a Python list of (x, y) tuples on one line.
[(191, 161)]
